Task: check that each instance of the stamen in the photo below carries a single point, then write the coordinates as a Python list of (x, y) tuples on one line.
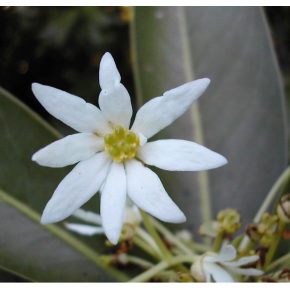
[(120, 132), (121, 144), (130, 137)]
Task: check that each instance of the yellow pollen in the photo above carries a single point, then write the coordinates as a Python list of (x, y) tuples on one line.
[(121, 144)]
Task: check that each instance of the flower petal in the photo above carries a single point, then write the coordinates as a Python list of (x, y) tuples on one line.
[(69, 150), (113, 202), (88, 216), (249, 271), (77, 188), (72, 110), (242, 261), (227, 253), (114, 99), (109, 74), (147, 192), (85, 230), (160, 112), (179, 155), (217, 272)]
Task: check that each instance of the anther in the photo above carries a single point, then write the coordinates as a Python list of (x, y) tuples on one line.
[(110, 139), (120, 132), (114, 150), (130, 137)]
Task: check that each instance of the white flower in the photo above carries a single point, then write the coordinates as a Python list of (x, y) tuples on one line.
[(105, 150), (207, 266)]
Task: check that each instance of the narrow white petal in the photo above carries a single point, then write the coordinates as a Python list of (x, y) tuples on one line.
[(160, 112), (227, 253), (114, 99), (217, 272), (116, 105), (69, 150), (179, 155), (242, 261), (72, 110), (249, 271), (77, 188), (147, 192), (109, 74), (84, 230), (113, 202), (88, 216)]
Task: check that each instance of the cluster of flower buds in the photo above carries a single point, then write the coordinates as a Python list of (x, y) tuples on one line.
[(265, 231), (228, 221)]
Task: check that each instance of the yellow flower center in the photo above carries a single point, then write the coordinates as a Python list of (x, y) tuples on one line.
[(121, 144)]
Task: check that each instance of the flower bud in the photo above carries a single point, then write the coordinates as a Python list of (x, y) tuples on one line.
[(196, 270), (229, 221), (184, 235), (283, 209), (209, 229)]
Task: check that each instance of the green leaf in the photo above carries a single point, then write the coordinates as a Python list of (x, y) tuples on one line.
[(26, 247), (241, 115)]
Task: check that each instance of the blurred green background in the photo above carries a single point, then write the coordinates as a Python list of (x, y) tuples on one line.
[(62, 47)]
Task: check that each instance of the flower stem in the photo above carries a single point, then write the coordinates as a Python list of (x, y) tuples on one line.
[(266, 203), (277, 262), (148, 240), (217, 243), (151, 272), (152, 231), (162, 266), (140, 262), (275, 243), (146, 248), (171, 237), (271, 195)]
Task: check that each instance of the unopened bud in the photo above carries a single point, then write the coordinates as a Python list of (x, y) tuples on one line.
[(229, 221), (128, 232), (197, 272), (209, 229), (184, 235), (283, 209)]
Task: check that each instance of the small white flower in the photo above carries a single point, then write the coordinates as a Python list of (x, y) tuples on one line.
[(207, 266), (105, 150)]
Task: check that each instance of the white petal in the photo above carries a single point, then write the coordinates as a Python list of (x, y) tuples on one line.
[(217, 272), (109, 74), (179, 155), (72, 110), (242, 261), (249, 271), (142, 138), (116, 105), (85, 230), (114, 99), (147, 192), (113, 202), (160, 112), (88, 216), (77, 188), (69, 150), (227, 253)]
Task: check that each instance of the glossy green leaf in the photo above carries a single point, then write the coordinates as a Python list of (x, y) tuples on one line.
[(241, 115), (26, 247)]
